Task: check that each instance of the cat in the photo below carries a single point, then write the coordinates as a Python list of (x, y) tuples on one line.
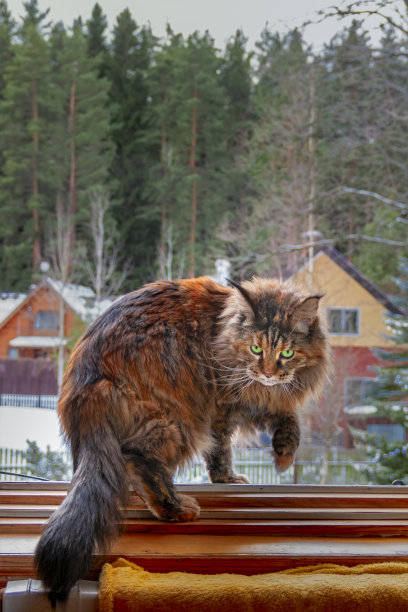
[(167, 373)]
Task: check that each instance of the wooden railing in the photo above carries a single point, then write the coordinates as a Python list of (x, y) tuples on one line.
[(242, 528)]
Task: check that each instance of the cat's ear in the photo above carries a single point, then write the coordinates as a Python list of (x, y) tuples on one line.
[(306, 313), (243, 292)]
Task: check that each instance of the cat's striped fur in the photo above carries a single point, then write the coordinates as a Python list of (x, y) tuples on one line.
[(166, 373)]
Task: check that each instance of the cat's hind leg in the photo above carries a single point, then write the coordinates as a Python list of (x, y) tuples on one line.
[(152, 455), (154, 485)]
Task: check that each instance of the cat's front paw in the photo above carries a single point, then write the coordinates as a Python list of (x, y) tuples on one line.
[(283, 461), (240, 479), (230, 479)]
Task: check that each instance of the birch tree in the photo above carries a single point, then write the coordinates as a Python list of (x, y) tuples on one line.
[(101, 262)]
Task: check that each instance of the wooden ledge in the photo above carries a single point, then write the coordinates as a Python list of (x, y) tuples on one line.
[(242, 528)]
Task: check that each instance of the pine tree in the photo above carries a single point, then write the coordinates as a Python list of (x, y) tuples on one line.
[(7, 31), (131, 54), (81, 149), (236, 79), (389, 146), (23, 137), (161, 119), (391, 396), (190, 112), (49, 465), (346, 123), (278, 157), (96, 38)]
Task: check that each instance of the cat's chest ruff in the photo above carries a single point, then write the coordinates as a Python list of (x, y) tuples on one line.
[(263, 397)]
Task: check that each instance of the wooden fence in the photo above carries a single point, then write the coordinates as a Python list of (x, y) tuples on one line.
[(28, 376)]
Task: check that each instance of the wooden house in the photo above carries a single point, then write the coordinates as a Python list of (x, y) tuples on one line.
[(355, 311), (30, 332), (30, 325)]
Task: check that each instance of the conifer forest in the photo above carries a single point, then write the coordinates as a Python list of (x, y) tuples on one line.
[(125, 157)]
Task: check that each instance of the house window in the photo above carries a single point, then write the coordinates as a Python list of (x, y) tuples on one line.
[(46, 319), (343, 320), (392, 431), (359, 391), (12, 353)]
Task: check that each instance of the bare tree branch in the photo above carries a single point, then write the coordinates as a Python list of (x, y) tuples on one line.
[(284, 248), (103, 264), (372, 194), (355, 10), (251, 257)]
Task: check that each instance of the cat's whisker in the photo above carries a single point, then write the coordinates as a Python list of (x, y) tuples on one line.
[(223, 365), (297, 384)]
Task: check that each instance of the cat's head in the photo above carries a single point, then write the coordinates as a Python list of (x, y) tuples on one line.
[(270, 334)]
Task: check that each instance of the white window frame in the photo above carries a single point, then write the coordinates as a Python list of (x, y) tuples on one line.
[(343, 311)]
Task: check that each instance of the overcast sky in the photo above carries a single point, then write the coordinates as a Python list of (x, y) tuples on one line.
[(221, 17)]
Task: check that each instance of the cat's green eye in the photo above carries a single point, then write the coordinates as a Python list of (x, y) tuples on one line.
[(256, 349), (287, 353)]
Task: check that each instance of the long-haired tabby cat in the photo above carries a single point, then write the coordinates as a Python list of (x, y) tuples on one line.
[(166, 373)]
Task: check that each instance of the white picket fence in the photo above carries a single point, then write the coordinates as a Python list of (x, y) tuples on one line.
[(344, 466), (256, 464), (14, 463)]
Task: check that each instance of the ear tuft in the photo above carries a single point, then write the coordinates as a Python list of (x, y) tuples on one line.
[(306, 313), (243, 292)]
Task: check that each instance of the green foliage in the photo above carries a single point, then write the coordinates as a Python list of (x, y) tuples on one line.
[(23, 142), (7, 31), (205, 153), (49, 465), (96, 27), (391, 395), (189, 122), (135, 148)]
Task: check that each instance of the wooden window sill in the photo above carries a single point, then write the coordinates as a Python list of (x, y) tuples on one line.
[(244, 529)]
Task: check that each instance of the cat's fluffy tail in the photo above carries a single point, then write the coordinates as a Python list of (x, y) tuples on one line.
[(86, 520)]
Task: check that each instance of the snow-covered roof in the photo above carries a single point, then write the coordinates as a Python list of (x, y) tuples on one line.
[(8, 302), (36, 342), (81, 299)]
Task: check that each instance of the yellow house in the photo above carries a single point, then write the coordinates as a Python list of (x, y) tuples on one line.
[(353, 305), (356, 312)]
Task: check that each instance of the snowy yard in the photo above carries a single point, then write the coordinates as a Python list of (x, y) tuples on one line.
[(38, 424)]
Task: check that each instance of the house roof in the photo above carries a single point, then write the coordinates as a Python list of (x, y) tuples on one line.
[(78, 298), (81, 299), (359, 277), (9, 302)]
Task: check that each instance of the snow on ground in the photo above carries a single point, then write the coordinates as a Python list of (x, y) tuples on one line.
[(38, 424)]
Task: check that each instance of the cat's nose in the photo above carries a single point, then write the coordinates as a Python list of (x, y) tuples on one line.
[(268, 374)]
